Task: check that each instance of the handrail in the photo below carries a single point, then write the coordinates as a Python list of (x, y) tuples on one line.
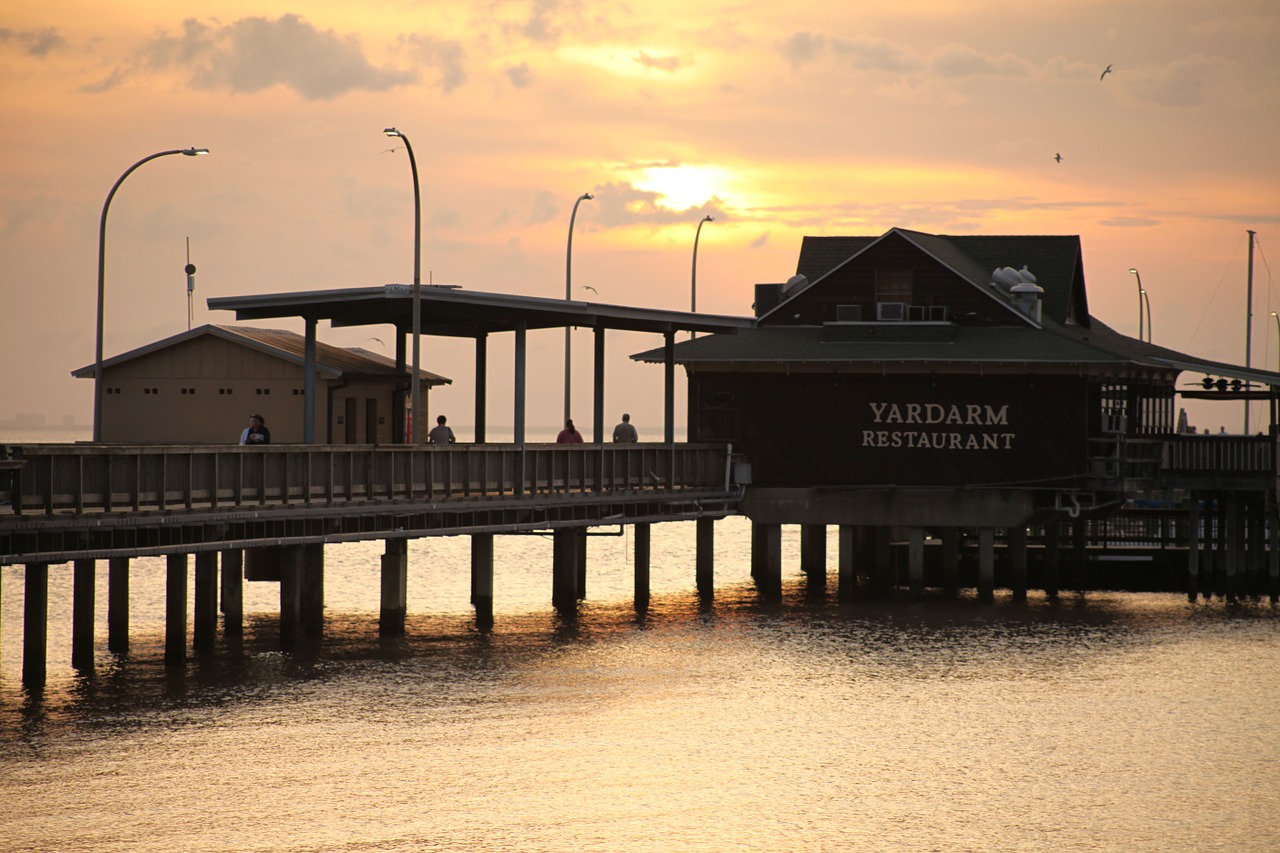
[(94, 478)]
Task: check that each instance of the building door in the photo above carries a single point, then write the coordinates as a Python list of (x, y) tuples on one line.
[(350, 435), (371, 420)]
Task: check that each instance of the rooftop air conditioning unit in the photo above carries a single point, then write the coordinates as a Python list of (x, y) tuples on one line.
[(916, 313), (891, 310), (848, 313), (938, 313)]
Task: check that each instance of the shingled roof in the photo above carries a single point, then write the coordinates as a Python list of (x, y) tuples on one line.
[(289, 346)]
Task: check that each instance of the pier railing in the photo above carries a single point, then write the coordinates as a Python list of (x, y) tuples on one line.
[(109, 478)]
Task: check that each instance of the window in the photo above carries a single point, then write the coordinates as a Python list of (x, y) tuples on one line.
[(893, 286)]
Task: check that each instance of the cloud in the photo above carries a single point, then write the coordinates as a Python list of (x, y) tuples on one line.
[(660, 63), (1187, 82), (257, 53), (1245, 25), (445, 55), (958, 60), (802, 48), (34, 42), (620, 205), (759, 242), (1130, 222), (520, 76)]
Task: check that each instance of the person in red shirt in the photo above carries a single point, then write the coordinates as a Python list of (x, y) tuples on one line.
[(569, 435)]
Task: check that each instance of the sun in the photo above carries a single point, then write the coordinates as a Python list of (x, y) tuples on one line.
[(683, 186)]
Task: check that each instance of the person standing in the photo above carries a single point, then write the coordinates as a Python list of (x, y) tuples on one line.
[(257, 432), (441, 434), (569, 435), (625, 433)]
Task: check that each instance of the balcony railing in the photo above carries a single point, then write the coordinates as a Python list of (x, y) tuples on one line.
[(110, 478)]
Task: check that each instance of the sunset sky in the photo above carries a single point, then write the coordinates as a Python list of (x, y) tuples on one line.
[(780, 120)]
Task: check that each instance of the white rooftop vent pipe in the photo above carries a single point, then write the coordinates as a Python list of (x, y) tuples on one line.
[(794, 283), (1026, 294)]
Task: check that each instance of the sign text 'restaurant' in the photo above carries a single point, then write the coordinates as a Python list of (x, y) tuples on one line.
[(938, 414)]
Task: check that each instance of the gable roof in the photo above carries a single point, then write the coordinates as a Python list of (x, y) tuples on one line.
[(1055, 260), (278, 343)]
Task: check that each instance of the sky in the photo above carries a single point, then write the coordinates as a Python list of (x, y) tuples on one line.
[(778, 120)]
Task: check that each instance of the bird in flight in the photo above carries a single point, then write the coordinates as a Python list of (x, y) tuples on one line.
[(1105, 72), (388, 150), (592, 289), (1058, 157)]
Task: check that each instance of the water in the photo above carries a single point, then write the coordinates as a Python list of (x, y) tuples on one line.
[(1112, 722)]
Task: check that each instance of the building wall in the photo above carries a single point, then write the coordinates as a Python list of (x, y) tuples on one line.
[(811, 430)]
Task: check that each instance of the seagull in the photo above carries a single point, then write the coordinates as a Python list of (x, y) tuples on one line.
[(1105, 72), (388, 150), (379, 340), (592, 289), (1058, 157)]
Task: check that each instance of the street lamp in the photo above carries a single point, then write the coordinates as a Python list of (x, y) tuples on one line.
[(102, 266), (1147, 298), (1277, 316), (1138, 276), (568, 295), (693, 280), (415, 381)]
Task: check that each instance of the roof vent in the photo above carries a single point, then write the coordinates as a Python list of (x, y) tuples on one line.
[(796, 282)]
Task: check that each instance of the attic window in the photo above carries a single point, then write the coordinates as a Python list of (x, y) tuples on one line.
[(893, 286)]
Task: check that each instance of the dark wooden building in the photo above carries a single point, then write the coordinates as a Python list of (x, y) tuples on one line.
[(919, 380)]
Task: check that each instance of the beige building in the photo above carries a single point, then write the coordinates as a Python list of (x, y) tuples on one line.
[(201, 386)]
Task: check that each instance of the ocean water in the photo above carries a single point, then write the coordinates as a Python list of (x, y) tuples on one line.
[(1125, 722)]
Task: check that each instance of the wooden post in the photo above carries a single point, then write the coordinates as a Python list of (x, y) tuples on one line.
[(35, 624), (769, 579), (1016, 550), (986, 564), (82, 601), (915, 560), (847, 579), (883, 576), (641, 558), (1080, 553), (395, 588), (482, 579), (580, 560), (1273, 553), (205, 631), (706, 555), (1233, 540), (312, 591), (118, 605), (813, 548), (1193, 547), (951, 560), (1052, 561), (758, 549), (175, 610), (291, 573), (564, 570), (232, 580)]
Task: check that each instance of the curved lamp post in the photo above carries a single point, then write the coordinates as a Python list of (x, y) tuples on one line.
[(1277, 316), (416, 381), (568, 295), (1146, 297), (1138, 275), (693, 278), (102, 276)]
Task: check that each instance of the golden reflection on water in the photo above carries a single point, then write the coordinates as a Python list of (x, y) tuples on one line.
[(1112, 722)]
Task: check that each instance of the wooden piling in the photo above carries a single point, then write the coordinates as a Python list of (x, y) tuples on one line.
[(35, 624), (950, 560), (82, 603), (641, 557), (1232, 541), (232, 584), (883, 576), (312, 592), (395, 588), (986, 564), (1080, 553), (846, 578), (704, 560), (1016, 550), (118, 605), (1193, 547), (482, 579), (915, 560), (175, 610), (205, 630), (813, 549), (769, 576), (291, 579), (1051, 562), (564, 570), (580, 560)]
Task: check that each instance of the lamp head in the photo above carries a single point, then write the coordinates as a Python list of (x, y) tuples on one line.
[(391, 131), (585, 197), (1133, 270), (708, 219), (195, 152)]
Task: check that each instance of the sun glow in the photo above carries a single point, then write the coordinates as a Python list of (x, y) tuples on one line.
[(684, 186)]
